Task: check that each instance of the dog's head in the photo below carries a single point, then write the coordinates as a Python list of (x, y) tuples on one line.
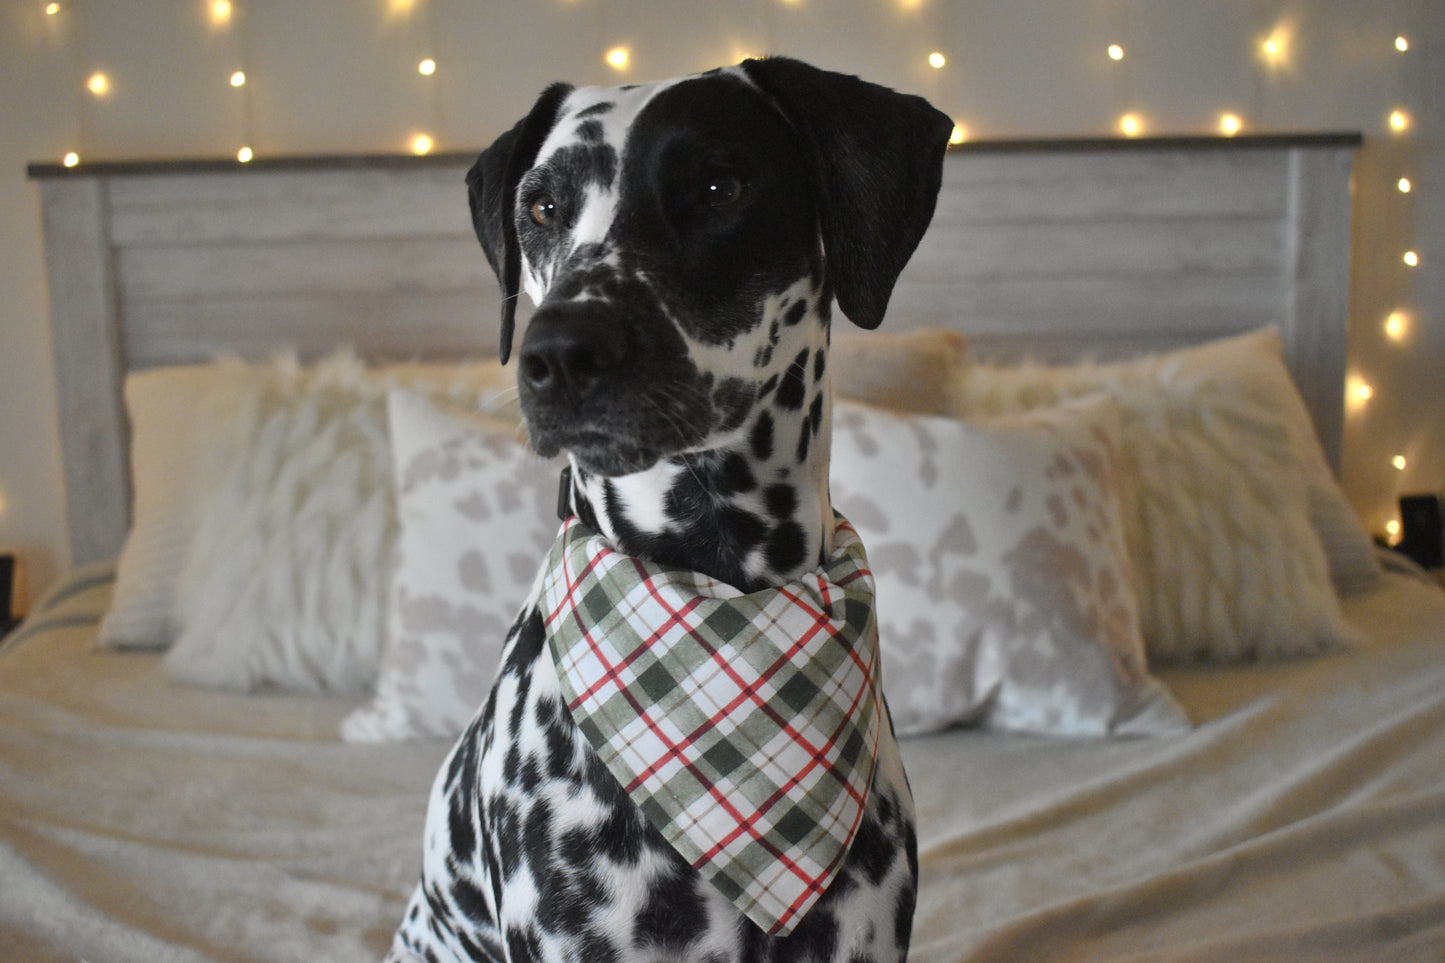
[(673, 233)]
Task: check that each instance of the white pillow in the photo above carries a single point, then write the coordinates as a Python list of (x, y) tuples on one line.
[(478, 515), (1005, 596), (1227, 493), (161, 405)]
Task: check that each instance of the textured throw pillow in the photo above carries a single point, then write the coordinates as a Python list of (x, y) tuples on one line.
[(284, 580), (478, 514), (178, 425), (161, 407), (1005, 595), (908, 371), (1227, 494)]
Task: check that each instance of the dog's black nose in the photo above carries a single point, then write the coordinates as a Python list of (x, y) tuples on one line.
[(569, 350)]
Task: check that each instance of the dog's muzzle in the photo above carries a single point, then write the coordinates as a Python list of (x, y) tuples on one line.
[(610, 385)]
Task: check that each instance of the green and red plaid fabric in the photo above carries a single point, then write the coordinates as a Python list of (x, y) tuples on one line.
[(745, 726)]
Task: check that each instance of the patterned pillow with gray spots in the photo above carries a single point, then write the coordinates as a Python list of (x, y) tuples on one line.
[(1005, 591), (477, 514)]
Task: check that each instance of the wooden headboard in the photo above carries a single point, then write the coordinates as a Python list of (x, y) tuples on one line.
[(1052, 249)]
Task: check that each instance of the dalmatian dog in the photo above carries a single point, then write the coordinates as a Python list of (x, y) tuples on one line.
[(684, 242)]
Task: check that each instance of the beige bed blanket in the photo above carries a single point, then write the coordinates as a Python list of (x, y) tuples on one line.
[(1304, 819)]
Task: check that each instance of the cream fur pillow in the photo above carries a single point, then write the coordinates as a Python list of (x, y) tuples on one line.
[(1226, 492), (909, 371), (284, 582)]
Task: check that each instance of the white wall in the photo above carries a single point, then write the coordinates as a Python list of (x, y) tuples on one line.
[(340, 75)]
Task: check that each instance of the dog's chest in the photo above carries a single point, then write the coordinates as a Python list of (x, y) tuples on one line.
[(551, 828)]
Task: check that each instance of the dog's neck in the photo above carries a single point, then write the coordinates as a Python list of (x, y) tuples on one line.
[(754, 510)]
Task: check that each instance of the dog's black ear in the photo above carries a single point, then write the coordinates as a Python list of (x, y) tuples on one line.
[(877, 157), (492, 192)]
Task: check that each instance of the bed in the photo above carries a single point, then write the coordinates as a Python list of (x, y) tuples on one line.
[(1270, 793)]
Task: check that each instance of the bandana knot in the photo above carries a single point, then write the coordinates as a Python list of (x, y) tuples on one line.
[(744, 726)]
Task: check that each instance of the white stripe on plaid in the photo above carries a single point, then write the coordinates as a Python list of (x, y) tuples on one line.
[(744, 726)]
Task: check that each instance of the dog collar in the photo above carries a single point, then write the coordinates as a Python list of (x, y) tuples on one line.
[(744, 726)]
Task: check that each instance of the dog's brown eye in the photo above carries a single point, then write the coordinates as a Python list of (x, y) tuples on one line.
[(544, 210), (721, 191)]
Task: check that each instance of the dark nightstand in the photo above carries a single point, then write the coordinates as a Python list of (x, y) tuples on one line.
[(8, 620)]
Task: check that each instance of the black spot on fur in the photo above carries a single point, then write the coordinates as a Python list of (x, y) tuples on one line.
[(597, 109), (815, 414), (472, 902), (795, 383), (761, 440), (531, 775), (872, 853), (786, 548), (805, 441), (531, 638), (523, 945), (674, 915), (512, 763), (781, 500), (796, 312), (903, 916), (590, 131), (620, 837), (506, 831), (733, 400), (737, 476), (597, 948), (463, 773), (820, 365)]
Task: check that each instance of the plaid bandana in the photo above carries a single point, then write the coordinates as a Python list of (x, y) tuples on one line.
[(744, 726)]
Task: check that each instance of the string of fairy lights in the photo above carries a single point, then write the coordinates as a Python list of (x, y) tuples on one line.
[(1275, 53)]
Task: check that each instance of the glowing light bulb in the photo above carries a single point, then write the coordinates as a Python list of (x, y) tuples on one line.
[(1116, 52), (617, 58), (1402, 44), (220, 12), (1275, 48), (936, 60), (1399, 462), (70, 159), (1392, 528), (1131, 125), (99, 84), (238, 79), (1397, 325), (1230, 124), (1358, 391), (1411, 258), (1399, 121), (244, 155), (421, 144), (51, 9), (427, 67), (959, 135), (1404, 185)]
